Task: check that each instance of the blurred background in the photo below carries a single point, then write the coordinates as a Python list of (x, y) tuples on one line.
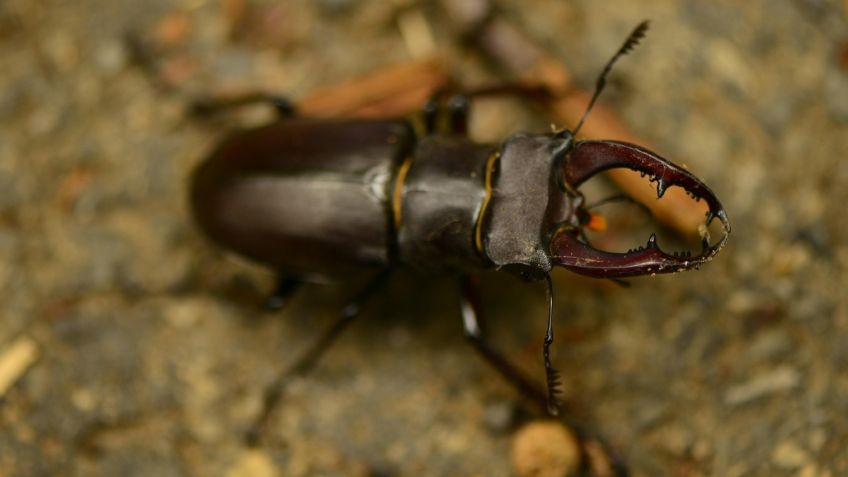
[(129, 345)]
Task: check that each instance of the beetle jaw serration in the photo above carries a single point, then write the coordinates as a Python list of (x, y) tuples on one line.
[(587, 159)]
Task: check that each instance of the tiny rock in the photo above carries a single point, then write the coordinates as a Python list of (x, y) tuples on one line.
[(545, 449)]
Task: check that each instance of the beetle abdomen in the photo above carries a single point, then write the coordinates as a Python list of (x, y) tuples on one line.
[(304, 196)]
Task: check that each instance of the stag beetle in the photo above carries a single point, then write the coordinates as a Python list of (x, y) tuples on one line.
[(314, 197)]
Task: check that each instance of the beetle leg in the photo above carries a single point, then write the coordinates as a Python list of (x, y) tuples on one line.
[(471, 318), (589, 158), (207, 106), (459, 103), (455, 120), (312, 354), (430, 113), (286, 285), (458, 111), (596, 455)]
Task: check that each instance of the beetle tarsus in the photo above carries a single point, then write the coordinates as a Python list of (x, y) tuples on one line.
[(554, 383), (597, 457), (552, 376), (546, 399)]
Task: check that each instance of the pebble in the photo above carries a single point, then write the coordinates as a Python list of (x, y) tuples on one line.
[(111, 57), (780, 379), (499, 416), (15, 360), (253, 463), (836, 89), (545, 449), (788, 455)]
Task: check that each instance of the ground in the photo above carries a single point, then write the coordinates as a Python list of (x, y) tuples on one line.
[(130, 345)]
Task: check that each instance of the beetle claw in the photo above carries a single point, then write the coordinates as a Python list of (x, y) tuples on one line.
[(589, 158)]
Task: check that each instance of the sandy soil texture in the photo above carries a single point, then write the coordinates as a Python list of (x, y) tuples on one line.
[(130, 345)]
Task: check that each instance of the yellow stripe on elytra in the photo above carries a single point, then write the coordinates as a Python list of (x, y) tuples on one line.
[(478, 228), (396, 198)]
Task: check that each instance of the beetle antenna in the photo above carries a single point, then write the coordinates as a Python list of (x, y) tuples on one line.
[(552, 375), (637, 34)]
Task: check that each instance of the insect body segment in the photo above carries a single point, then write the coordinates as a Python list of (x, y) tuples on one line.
[(441, 202)]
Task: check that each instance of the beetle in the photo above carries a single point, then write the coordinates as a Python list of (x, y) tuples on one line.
[(313, 197)]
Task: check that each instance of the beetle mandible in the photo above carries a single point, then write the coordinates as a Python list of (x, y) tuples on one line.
[(314, 197)]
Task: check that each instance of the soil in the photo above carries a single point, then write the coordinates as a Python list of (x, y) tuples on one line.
[(131, 345)]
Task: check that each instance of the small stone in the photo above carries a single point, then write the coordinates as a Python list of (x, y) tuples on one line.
[(817, 439), (809, 470), (253, 463), (185, 314), (111, 57), (499, 416), (15, 360), (545, 449), (173, 29), (677, 440), (789, 455), (778, 380), (84, 399)]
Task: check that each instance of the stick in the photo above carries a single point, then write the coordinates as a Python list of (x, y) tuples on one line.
[(392, 91)]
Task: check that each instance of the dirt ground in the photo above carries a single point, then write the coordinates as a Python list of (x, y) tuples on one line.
[(129, 345)]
